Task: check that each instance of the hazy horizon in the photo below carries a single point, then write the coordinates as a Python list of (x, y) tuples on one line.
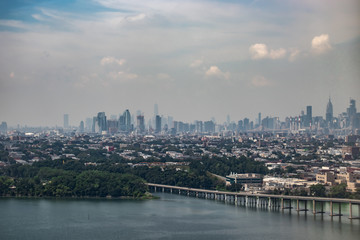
[(196, 60)]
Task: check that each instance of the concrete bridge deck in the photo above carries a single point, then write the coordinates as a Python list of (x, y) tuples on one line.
[(266, 200)]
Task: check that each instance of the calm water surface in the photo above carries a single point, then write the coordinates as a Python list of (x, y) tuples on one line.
[(170, 217)]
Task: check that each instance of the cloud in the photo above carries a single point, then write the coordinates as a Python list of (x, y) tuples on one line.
[(111, 60), (276, 54), (196, 63), (321, 44), (260, 81), (215, 71), (260, 51)]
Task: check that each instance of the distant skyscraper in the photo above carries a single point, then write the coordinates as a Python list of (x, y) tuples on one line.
[(81, 127), (101, 122), (329, 113), (66, 121), (3, 127), (308, 116), (88, 124), (259, 119), (125, 121), (158, 124), (140, 124), (351, 112)]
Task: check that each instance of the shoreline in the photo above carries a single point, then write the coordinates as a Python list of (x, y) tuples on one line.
[(147, 196)]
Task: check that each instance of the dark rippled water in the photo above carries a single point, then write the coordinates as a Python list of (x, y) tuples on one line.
[(170, 217)]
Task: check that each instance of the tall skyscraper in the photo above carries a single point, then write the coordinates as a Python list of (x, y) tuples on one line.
[(308, 116), (259, 119), (140, 124), (125, 121), (66, 121), (158, 124), (3, 127), (81, 127), (127, 117), (329, 113), (351, 112), (101, 122)]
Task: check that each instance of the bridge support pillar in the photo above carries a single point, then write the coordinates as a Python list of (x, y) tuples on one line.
[(350, 210), (331, 209), (269, 203), (297, 205), (314, 206)]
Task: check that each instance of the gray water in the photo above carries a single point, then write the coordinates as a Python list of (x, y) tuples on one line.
[(170, 217)]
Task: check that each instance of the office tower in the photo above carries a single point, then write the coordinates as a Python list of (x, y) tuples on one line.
[(246, 124), (199, 126), (158, 124), (127, 117), (125, 121), (101, 122), (66, 121), (170, 122), (209, 126), (81, 127), (95, 126), (308, 116), (228, 119), (140, 124), (351, 112), (329, 113), (240, 125), (88, 124), (3, 127), (259, 119), (122, 126)]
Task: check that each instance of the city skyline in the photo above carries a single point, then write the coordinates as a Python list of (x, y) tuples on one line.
[(196, 60), (306, 113)]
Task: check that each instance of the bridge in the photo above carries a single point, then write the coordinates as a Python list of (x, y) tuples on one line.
[(266, 200)]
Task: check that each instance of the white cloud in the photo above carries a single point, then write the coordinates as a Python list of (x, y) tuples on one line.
[(260, 81), (215, 71), (276, 54), (260, 51), (111, 60), (321, 44)]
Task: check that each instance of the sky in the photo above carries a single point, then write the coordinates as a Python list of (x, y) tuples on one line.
[(196, 59)]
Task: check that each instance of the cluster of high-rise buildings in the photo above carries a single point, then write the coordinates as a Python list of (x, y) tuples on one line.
[(346, 122)]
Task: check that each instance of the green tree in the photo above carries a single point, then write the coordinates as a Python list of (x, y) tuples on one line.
[(318, 190)]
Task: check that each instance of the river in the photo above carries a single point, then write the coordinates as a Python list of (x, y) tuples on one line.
[(170, 217)]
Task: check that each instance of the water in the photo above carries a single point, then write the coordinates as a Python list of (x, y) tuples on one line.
[(170, 217)]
